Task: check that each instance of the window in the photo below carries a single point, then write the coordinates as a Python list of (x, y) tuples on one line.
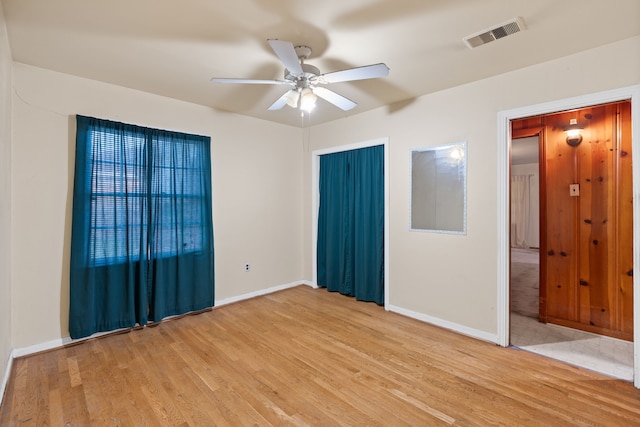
[(142, 233), (122, 189)]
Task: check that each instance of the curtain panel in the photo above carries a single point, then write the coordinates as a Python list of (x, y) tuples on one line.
[(520, 198), (142, 229), (350, 244), (525, 211)]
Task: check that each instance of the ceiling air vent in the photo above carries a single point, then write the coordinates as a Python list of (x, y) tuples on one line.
[(503, 30)]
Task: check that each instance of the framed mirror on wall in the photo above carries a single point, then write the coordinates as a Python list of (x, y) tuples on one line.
[(438, 200)]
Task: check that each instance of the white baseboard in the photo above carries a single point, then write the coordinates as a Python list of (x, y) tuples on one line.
[(57, 343), (455, 327), (308, 283), (5, 379), (37, 348), (261, 292)]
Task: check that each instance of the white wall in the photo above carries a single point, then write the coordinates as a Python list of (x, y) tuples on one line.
[(257, 192), (5, 201), (450, 277)]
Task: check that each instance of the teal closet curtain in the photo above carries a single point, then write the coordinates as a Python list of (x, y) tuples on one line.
[(142, 233), (350, 244)]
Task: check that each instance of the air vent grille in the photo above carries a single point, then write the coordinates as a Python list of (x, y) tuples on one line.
[(486, 36)]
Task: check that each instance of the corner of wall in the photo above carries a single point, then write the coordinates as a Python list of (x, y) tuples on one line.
[(6, 310)]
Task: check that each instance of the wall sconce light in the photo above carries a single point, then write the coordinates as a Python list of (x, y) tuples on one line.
[(574, 136)]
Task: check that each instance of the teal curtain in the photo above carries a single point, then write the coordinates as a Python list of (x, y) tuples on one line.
[(350, 246), (142, 233)]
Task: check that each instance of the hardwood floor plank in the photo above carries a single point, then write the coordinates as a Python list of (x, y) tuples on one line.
[(32, 403), (425, 408), (306, 357), (74, 372), (56, 414)]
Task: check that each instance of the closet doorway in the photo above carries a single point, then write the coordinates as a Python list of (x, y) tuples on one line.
[(315, 176)]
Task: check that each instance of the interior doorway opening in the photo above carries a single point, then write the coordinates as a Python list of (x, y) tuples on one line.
[(525, 223), (504, 147), (544, 317)]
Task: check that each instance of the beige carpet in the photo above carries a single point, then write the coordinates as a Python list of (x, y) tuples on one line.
[(525, 284)]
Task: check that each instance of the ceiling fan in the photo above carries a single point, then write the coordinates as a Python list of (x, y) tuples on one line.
[(306, 81)]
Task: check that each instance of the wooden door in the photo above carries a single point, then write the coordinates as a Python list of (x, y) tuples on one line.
[(588, 255)]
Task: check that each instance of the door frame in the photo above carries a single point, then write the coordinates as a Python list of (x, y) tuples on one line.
[(504, 148), (315, 204)]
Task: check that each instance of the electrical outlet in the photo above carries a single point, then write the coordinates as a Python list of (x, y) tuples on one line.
[(247, 267)]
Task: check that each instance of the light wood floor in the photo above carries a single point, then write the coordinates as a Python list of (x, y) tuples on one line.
[(305, 357)]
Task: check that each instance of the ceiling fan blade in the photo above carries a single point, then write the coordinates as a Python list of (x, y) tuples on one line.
[(359, 73), (250, 81), (287, 54), (280, 102), (332, 97)]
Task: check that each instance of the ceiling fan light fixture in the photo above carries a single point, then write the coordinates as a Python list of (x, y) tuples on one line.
[(292, 98), (307, 99)]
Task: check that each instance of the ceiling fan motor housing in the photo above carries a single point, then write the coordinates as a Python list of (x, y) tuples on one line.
[(310, 75)]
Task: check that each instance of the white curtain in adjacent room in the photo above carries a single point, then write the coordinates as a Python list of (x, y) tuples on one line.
[(524, 211)]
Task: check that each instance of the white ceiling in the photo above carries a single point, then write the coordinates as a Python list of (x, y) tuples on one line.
[(173, 48)]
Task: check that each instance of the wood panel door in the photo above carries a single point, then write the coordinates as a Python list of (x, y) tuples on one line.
[(588, 257)]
